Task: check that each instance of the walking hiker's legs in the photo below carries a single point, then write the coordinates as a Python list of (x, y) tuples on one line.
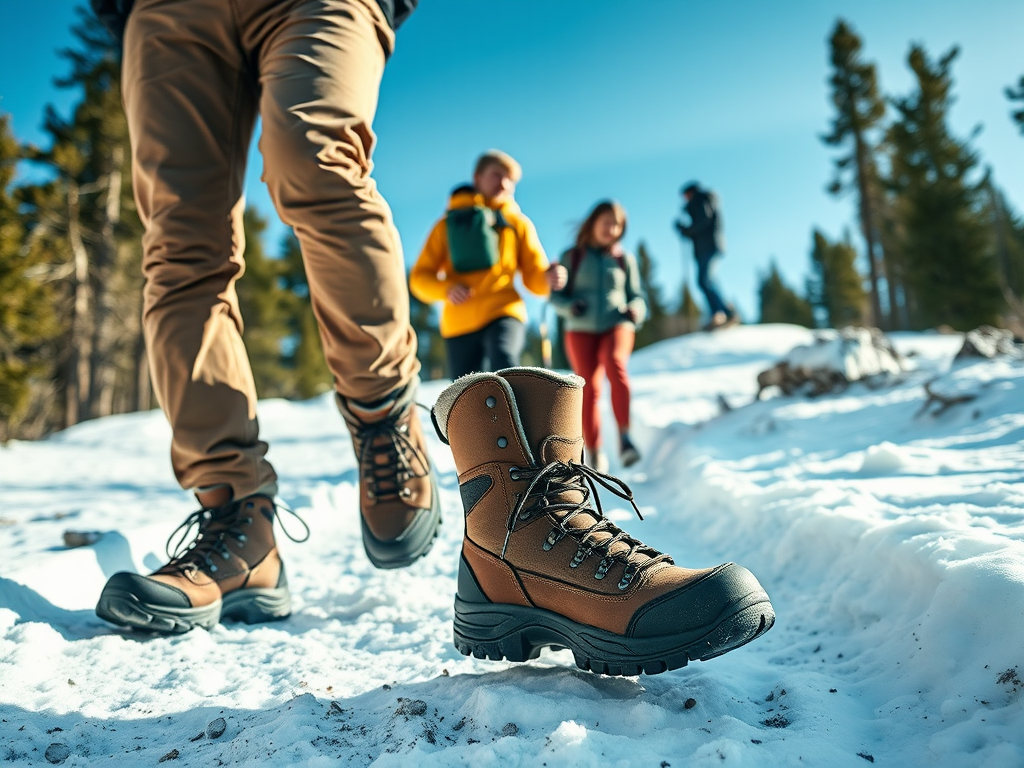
[(706, 266), (582, 349), (190, 105), (465, 354), (615, 348), (504, 340), (320, 69)]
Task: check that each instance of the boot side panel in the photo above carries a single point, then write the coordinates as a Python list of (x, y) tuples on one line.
[(494, 578)]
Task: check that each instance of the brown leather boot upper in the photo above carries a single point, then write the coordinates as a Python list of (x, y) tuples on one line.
[(234, 548), (394, 471), (534, 532)]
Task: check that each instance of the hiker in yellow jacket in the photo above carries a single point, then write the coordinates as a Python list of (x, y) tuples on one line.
[(470, 261)]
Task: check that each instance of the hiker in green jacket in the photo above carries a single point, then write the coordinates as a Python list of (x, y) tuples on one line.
[(602, 308)]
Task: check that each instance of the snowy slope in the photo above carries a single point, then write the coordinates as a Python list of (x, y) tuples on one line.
[(890, 541)]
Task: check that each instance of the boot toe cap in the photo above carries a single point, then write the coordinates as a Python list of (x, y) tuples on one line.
[(147, 590), (702, 604)]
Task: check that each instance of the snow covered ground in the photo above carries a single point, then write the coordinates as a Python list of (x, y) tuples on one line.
[(890, 539)]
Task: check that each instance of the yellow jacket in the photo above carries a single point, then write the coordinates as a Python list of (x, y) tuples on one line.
[(493, 290)]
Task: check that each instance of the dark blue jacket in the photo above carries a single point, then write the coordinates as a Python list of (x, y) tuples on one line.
[(114, 13), (705, 227)]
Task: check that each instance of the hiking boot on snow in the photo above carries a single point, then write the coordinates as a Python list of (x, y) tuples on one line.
[(225, 565), (542, 566), (628, 454), (399, 506)]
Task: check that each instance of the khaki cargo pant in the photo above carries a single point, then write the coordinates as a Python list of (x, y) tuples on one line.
[(195, 75)]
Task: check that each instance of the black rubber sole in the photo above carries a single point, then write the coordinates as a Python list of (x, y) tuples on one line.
[(253, 606), (517, 633), (416, 542)]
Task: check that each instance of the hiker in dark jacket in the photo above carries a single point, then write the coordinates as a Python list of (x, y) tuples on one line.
[(705, 230), (602, 307)]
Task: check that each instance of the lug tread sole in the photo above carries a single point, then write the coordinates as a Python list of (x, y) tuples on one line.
[(523, 641), (252, 606)]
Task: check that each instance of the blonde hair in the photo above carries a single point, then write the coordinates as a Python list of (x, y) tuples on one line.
[(497, 157), (585, 234)]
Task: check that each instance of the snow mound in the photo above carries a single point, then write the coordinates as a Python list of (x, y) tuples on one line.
[(890, 540)]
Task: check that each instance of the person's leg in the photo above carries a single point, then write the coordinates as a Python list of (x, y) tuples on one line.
[(191, 108), (504, 340), (190, 103), (706, 267), (582, 351), (320, 65), (615, 348), (465, 354)]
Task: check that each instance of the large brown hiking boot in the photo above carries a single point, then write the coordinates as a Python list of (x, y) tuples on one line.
[(542, 567), (230, 569), (399, 506)]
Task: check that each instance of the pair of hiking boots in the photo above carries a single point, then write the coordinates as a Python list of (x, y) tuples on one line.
[(541, 565)]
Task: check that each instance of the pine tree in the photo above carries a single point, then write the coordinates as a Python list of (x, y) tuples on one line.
[(654, 328), (84, 219), (430, 347), (780, 303), (945, 239), (837, 288), (27, 317), (860, 109), (1017, 94), (267, 311), (310, 375), (688, 312)]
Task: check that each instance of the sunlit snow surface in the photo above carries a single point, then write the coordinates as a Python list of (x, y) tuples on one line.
[(889, 539)]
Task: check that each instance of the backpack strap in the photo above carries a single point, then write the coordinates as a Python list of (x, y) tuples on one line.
[(575, 257)]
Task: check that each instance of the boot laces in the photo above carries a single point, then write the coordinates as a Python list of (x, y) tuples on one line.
[(204, 533), (387, 478), (544, 496)]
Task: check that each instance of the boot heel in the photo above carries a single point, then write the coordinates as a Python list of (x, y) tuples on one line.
[(255, 606), (496, 632)]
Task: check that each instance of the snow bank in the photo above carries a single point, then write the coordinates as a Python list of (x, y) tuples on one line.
[(889, 538)]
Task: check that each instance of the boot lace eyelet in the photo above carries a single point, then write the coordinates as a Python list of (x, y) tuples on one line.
[(578, 558), (502, 442), (405, 493), (553, 538), (603, 568), (490, 402), (514, 473)]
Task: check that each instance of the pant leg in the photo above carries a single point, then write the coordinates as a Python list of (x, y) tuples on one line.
[(616, 346), (320, 65), (465, 354), (504, 340), (582, 350), (190, 104), (705, 279)]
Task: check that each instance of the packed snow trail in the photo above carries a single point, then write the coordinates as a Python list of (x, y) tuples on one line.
[(890, 541)]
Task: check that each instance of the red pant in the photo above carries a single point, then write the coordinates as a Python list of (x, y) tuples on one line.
[(591, 356)]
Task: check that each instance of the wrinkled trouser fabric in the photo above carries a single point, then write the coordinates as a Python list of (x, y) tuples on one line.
[(592, 356), (196, 74), (706, 268)]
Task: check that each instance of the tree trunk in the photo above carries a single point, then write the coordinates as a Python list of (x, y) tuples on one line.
[(79, 374), (868, 229), (107, 330)]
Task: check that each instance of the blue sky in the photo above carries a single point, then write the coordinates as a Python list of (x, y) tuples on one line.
[(596, 99)]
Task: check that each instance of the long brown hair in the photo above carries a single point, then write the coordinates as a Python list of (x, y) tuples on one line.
[(585, 234)]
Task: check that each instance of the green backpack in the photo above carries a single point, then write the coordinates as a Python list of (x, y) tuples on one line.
[(473, 237)]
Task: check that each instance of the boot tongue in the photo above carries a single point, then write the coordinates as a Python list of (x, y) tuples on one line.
[(550, 408)]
